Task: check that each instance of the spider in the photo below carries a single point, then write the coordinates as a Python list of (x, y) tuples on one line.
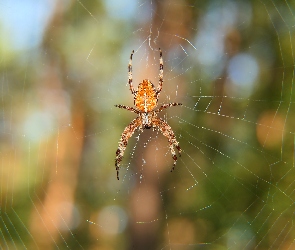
[(145, 100)]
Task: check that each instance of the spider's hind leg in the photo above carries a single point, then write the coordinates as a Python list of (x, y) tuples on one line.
[(130, 74), (160, 84)]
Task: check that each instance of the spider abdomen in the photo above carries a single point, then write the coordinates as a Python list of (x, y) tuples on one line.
[(146, 96)]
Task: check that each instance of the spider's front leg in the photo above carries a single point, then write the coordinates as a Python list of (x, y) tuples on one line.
[(167, 131), (127, 133)]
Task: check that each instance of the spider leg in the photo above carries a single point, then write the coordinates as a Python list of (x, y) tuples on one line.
[(167, 131), (127, 108), (130, 74), (127, 133), (167, 105), (159, 88)]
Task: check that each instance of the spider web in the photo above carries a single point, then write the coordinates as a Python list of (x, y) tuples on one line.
[(64, 67)]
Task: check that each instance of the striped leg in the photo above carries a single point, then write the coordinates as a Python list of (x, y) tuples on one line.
[(127, 108), (159, 88), (130, 74), (167, 105), (167, 131), (127, 133)]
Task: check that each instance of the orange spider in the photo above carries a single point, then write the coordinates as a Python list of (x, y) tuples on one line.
[(146, 99)]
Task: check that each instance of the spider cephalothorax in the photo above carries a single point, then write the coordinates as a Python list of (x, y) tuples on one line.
[(145, 100)]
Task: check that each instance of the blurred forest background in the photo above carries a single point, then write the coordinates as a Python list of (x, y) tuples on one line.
[(63, 67)]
